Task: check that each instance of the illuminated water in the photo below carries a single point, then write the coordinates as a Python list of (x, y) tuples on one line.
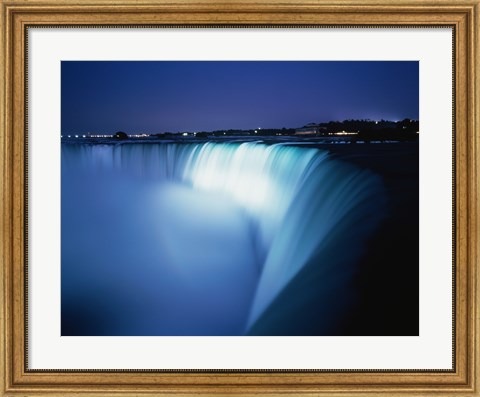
[(206, 239)]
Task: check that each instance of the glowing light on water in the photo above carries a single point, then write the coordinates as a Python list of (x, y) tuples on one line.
[(262, 179), (252, 174)]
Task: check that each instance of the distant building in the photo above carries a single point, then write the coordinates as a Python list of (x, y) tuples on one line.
[(311, 129)]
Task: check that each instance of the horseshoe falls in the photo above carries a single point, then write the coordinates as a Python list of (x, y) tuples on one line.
[(212, 238)]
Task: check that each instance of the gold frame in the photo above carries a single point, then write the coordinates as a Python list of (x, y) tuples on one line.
[(463, 15)]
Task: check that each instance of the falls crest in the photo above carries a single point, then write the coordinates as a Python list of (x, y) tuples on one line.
[(296, 196)]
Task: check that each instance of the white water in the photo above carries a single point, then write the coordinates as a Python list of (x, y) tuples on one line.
[(276, 208)]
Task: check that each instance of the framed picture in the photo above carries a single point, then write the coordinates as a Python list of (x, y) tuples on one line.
[(240, 198)]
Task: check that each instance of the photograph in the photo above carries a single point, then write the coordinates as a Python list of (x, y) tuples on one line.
[(254, 198), (240, 198)]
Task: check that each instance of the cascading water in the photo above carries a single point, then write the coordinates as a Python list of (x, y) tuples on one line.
[(219, 238)]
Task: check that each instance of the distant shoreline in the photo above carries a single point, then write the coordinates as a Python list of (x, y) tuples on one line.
[(301, 140)]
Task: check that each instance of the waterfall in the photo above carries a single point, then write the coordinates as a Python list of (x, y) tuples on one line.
[(305, 207)]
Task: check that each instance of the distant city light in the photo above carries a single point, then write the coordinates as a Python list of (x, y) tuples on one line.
[(84, 136), (185, 134), (76, 136), (69, 136), (345, 133)]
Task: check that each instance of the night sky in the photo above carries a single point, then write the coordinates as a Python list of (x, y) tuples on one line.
[(170, 96)]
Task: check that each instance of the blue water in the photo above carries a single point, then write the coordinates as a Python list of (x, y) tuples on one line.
[(210, 238)]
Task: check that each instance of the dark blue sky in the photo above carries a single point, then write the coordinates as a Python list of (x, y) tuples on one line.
[(176, 96)]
